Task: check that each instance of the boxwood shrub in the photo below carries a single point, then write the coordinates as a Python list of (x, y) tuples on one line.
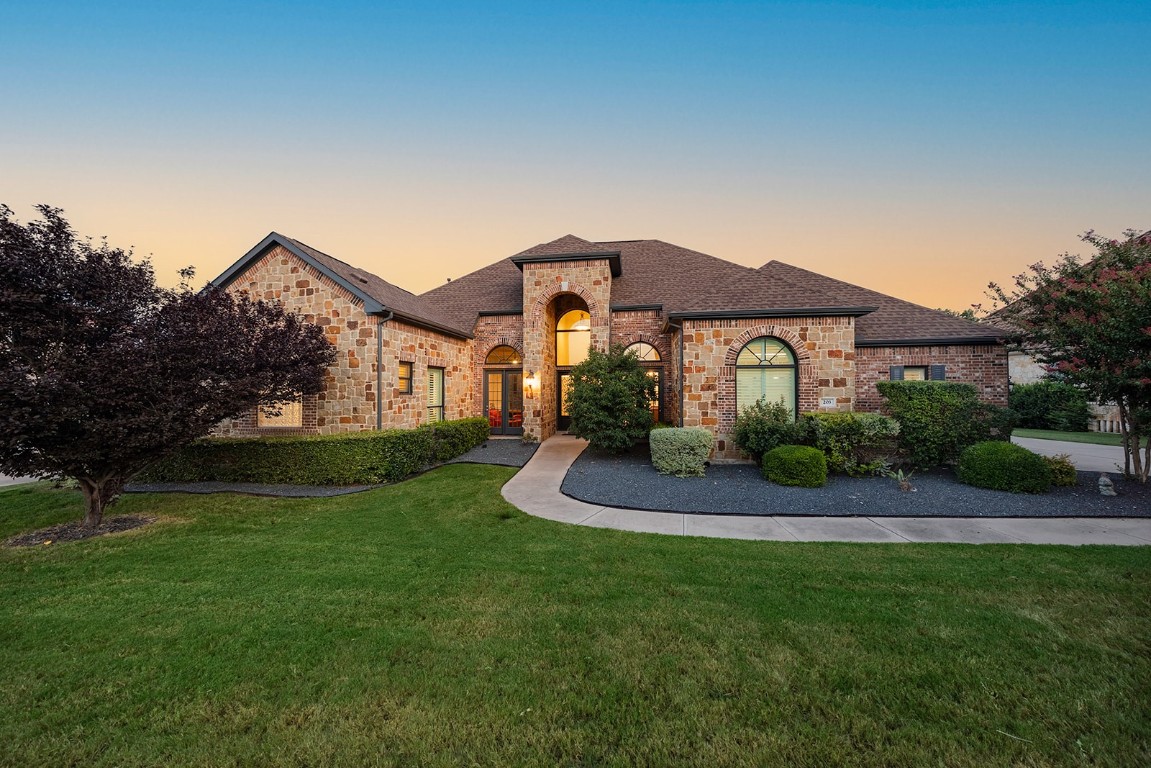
[(856, 443), (680, 451), (352, 458), (939, 419), (799, 465), (1004, 467)]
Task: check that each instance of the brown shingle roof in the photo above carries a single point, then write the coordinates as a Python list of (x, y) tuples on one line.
[(894, 320)]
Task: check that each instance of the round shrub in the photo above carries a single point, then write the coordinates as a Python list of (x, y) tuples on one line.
[(1062, 470), (680, 451), (1004, 466), (799, 465)]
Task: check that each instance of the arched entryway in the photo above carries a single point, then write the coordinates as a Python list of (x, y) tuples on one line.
[(572, 344)]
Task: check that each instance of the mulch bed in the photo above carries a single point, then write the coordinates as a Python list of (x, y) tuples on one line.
[(75, 531)]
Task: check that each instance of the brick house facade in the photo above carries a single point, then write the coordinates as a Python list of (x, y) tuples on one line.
[(499, 341)]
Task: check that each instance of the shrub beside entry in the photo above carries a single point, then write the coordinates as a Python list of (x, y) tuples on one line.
[(938, 419), (1004, 466), (764, 425), (680, 451), (799, 465), (357, 458)]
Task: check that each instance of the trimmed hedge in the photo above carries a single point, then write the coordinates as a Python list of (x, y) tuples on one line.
[(1050, 405), (939, 419), (799, 465), (680, 451), (856, 443), (1004, 466), (353, 458)]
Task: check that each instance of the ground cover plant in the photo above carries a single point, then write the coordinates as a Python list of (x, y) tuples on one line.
[(429, 623)]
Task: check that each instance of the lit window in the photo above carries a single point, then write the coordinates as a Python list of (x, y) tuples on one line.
[(404, 383), (649, 359), (503, 355), (435, 394), (291, 414), (765, 369), (644, 351), (573, 338), (915, 373)]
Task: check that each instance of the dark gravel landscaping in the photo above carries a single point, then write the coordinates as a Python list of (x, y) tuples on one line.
[(506, 453), (630, 481)]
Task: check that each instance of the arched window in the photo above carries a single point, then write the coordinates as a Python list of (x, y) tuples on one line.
[(649, 358), (573, 337), (503, 355), (644, 351), (766, 368)]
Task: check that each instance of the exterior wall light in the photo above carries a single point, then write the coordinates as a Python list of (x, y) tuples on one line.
[(530, 384)]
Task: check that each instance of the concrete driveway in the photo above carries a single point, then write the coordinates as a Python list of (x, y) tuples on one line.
[(1085, 456)]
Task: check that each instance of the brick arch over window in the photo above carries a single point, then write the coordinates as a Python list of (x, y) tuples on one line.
[(515, 343), (805, 371), (546, 297), (802, 353), (659, 342)]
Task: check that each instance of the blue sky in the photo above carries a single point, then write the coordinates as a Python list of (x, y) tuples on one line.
[(920, 148)]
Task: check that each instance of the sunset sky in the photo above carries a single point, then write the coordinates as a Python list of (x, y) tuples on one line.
[(918, 148)]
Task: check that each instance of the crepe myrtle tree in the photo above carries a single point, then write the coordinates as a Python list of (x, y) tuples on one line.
[(102, 372), (1090, 323)]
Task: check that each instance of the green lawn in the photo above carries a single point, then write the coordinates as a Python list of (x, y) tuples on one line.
[(430, 623), (1095, 438)]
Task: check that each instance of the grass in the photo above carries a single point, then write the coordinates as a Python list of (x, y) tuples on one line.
[(430, 623), (1095, 438)]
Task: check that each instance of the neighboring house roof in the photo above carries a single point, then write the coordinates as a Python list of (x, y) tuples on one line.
[(379, 296), (895, 321)]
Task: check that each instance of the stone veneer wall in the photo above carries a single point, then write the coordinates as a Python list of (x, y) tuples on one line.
[(825, 353), (984, 365), (493, 331), (348, 402), (630, 326), (543, 283)]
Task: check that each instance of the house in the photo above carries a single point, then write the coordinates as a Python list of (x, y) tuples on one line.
[(500, 341)]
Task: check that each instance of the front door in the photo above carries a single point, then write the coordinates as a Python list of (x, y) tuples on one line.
[(504, 400), (563, 389)]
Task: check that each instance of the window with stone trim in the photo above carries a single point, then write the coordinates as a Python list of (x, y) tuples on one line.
[(404, 380), (573, 338), (766, 369), (435, 394), (286, 415)]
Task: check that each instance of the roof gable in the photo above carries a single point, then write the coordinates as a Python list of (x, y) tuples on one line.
[(378, 295)]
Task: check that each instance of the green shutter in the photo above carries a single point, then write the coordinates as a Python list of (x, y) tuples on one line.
[(896, 373)]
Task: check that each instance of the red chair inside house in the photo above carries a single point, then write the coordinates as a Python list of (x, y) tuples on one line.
[(516, 419), (495, 419)]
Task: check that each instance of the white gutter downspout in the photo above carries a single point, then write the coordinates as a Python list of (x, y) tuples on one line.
[(380, 368)]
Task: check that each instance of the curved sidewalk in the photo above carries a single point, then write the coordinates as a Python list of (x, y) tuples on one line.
[(536, 490)]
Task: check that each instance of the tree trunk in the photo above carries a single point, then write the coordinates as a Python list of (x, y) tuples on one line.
[(1140, 455), (98, 495), (1125, 433)]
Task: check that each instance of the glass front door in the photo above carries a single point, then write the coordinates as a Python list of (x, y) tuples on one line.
[(563, 389), (504, 400)]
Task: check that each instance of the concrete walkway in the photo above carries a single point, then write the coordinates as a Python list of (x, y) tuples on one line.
[(535, 490)]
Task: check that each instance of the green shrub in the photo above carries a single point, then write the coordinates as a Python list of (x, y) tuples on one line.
[(939, 419), (680, 451), (855, 443), (1004, 467), (799, 465), (346, 459), (1063, 472), (1050, 405), (762, 426), (610, 400)]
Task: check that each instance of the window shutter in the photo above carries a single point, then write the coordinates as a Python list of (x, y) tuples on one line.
[(939, 373), (896, 373)]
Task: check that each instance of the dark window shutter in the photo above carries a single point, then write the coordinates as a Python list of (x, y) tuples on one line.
[(939, 373), (897, 373)]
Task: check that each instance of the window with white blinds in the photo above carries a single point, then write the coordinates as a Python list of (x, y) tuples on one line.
[(435, 394), (765, 369)]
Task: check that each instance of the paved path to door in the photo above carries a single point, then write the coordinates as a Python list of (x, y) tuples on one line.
[(535, 490)]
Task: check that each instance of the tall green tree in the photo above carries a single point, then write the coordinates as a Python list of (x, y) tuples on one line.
[(102, 372), (610, 400), (1091, 322)]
